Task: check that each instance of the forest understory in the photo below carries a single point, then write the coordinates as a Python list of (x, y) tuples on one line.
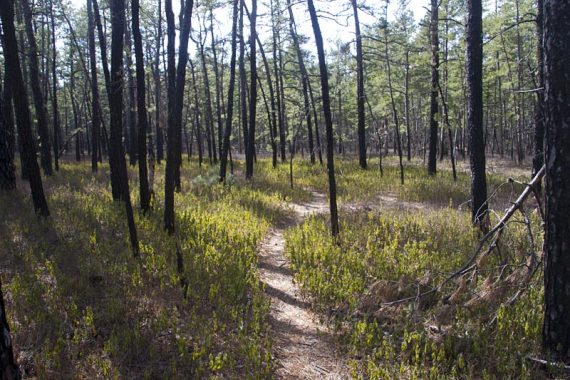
[(314, 189), (82, 307)]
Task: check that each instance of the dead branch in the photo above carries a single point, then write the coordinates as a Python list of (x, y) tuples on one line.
[(477, 257)]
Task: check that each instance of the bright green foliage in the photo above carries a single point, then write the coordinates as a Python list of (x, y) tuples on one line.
[(81, 305), (410, 252)]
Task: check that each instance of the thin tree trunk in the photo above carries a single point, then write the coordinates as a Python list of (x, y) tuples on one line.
[(304, 80), (393, 102), (157, 91), (22, 109), (177, 81), (56, 126), (141, 109), (278, 75), (230, 103), (250, 144), (243, 78), (7, 137), (475, 111), (131, 114), (538, 157), (96, 117), (218, 87), (116, 154), (328, 118), (360, 90), (103, 47), (35, 83)]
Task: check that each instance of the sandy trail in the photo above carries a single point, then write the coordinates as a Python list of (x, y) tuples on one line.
[(303, 346)]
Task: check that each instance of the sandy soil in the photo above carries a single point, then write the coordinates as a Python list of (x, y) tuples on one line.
[(303, 346)]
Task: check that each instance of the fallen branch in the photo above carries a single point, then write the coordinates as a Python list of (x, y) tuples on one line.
[(494, 233)]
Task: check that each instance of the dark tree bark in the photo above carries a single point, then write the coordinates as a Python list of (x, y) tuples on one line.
[(35, 82), (360, 90), (171, 158), (398, 142), (8, 367), (556, 329), (278, 75), (22, 109), (242, 77), (230, 103), (304, 80), (55, 110), (434, 106), (103, 47), (272, 113), (7, 138), (218, 86), (95, 116), (328, 118), (250, 145), (141, 109), (407, 104), (116, 154), (131, 114), (157, 89), (196, 114), (474, 71), (208, 114), (316, 118), (176, 83), (538, 158)]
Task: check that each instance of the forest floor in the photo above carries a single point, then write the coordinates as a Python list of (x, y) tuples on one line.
[(272, 296), (303, 346)]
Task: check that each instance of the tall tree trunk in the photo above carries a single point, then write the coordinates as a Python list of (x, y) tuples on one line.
[(360, 90), (157, 91), (209, 114), (176, 83), (407, 105), (8, 367), (116, 154), (242, 77), (328, 118), (102, 47), (171, 158), (272, 113), (55, 110), (316, 118), (393, 102), (538, 158), (556, 329), (196, 115), (141, 109), (250, 145), (35, 82), (434, 107), (218, 87), (276, 65), (131, 114), (474, 70), (230, 103), (304, 79), (22, 109), (7, 137), (96, 117)]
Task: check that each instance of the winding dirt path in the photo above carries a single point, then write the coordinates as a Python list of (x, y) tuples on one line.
[(303, 346)]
